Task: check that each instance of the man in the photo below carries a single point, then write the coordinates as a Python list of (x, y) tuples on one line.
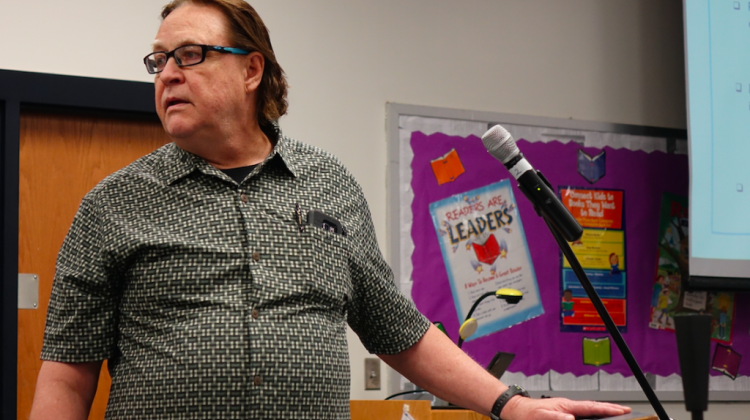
[(196, 273)]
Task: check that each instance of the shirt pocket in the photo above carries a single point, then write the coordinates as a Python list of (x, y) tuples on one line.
[(315, 261), (330, 283)]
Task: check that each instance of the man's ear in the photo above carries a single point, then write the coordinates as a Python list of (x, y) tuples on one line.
[(255, 64)]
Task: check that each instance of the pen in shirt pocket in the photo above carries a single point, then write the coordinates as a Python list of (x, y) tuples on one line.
[(298, 215)]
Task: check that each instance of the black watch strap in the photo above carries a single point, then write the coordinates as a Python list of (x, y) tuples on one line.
[(503, 399)]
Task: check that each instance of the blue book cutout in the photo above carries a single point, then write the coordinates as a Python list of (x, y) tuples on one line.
[(591, 168)]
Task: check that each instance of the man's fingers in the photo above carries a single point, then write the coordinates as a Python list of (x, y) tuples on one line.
[(563, 409), (553, 415), (592, 408)]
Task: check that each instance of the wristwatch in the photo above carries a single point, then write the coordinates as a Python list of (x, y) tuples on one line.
[(503, 399)]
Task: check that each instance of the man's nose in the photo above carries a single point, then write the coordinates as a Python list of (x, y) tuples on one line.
[(172, 73)]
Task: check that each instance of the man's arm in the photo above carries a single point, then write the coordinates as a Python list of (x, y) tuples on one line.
[(436, 364), (65, 390)]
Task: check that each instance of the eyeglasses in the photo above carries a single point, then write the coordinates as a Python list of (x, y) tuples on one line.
[(184, 56)]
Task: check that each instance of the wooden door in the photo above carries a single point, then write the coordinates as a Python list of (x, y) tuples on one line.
[(62, 157)]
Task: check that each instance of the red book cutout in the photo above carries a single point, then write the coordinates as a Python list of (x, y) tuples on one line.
[(447, 167), (486, 249), (726, 361)]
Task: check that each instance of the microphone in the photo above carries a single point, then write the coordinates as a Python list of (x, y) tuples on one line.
[(500, 144)]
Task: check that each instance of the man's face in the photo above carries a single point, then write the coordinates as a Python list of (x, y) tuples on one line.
[(207, 99)]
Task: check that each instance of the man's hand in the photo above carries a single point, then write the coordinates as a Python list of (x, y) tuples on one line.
[(522, 408)]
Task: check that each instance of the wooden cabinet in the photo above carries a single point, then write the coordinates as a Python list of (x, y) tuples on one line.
[(393, 410), (421, 410)]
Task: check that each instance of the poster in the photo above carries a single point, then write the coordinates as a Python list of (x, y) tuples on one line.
[(601, 252), (667, 295), (484, 249)]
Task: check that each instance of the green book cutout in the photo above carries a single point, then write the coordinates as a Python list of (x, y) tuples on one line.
[(597, 351)]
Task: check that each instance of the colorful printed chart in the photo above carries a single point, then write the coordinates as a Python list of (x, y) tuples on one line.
[(601, 252)]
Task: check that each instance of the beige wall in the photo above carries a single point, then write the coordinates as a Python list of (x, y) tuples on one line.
[(601, 60)]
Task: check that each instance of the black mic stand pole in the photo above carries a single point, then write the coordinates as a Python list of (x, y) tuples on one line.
[(604, 314)]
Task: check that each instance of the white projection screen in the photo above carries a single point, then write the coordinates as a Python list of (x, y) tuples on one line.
[(717, 53)]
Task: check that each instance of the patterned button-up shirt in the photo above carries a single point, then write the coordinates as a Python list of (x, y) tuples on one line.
[(213, 300)]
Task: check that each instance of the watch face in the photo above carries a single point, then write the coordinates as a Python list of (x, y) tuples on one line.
[(520, 390)]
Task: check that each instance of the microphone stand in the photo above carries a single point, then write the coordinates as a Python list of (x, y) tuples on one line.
[(602, 310)]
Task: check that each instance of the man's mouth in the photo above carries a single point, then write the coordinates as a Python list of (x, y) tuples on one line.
[(175, 102)]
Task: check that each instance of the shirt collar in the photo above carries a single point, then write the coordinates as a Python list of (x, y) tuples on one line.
[(178, 163), (284, 149)]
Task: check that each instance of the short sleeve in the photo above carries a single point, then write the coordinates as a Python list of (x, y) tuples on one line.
[(81, 319), (383, 318)]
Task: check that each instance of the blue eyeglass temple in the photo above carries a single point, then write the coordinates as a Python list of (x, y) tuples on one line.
[(229, 50)]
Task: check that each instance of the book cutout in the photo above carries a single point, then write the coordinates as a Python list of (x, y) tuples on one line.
[(726, 361), (597, 351), (591, 168), (487, 250), (447, 167)]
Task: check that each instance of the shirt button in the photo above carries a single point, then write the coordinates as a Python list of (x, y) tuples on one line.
[(255, 314), (257, 380), (256, 256), (243, 198)]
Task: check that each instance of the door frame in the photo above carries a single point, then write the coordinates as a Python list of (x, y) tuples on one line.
[(26, 90)]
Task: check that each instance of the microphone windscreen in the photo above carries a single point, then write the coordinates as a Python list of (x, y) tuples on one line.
[(500, 144)]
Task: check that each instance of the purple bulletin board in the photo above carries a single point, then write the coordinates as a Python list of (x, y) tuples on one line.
[(538, 343)]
